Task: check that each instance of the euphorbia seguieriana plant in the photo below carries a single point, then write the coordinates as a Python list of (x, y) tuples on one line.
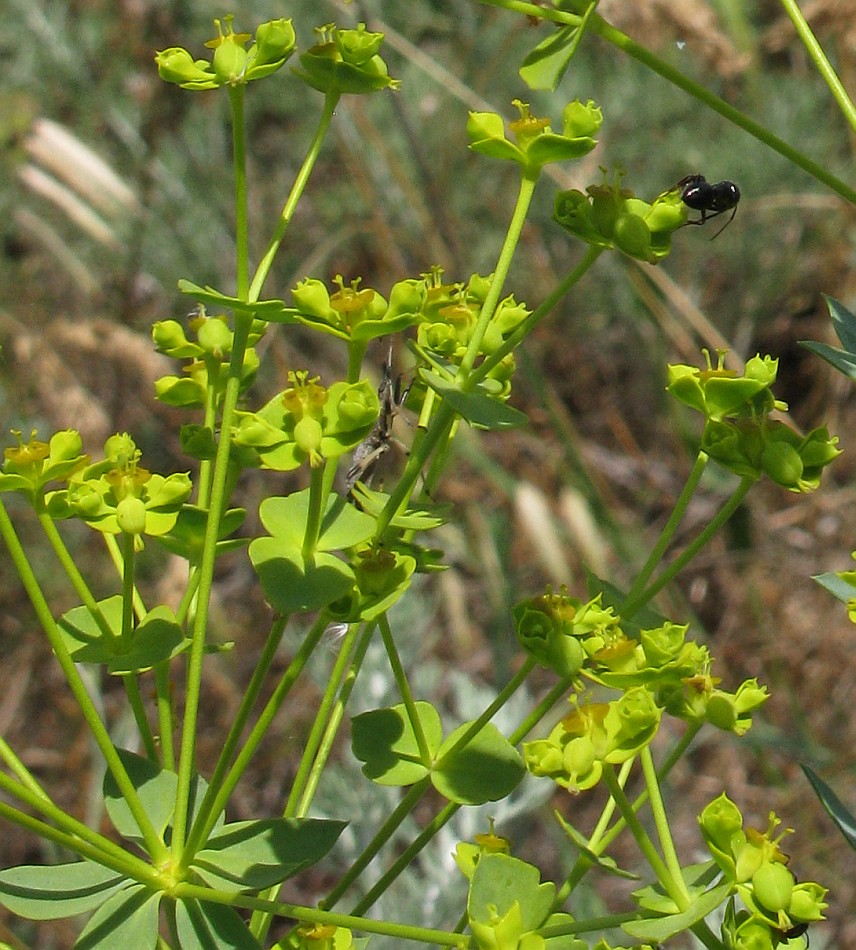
[(176, 872)]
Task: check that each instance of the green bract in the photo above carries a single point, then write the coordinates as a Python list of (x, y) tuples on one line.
[(345, 61), (308, 422), (30, 466), (608, 215), (535, 143), (230, 64)]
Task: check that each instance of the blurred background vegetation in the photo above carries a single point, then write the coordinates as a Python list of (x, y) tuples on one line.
[(114, 185)]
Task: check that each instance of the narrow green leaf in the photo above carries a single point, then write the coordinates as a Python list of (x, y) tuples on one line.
[(156, 788), (127, 919), (51, 891), (837, 586), (844, 323), (384, 740), (844, 362), (273, 310), (209, 926), (486, 769), (545, 65), (601, 862), (838, 812), (250, 855), (657, 929), (479, 409)]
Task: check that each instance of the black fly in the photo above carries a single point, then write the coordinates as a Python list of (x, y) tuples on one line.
[(379, 441), (710, 198)]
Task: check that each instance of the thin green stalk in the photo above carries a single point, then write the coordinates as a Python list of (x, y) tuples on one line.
[(78, 582), (10, 759), (313, 915), (822, 64), (317, 498), (538, 314), (154, 845), (306, 781), (614, 36), (631, 606), (239, 722), (330, 102), (674, 888), (135, 700), (165, 720), (404, 690), (670, 527), (219, 493), (661, 820), (390, 826), (239, 165), (503, 265), (67, 832), (406, 858), (201, 829), (308, 770)]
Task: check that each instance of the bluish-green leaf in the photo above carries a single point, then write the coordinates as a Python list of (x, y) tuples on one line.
[(844, 362), (157, 638), (545, 65), (477, 408), (51, 891), (250, 855), (156, 788), (203, 925), (384, 740), (486, 769), (657, 929), (274, 310), (499, 881), (843, 322), (600, 861), (127, 919), (837, 586), (342, 525), (82, 635), (291, 585), (838, 812)]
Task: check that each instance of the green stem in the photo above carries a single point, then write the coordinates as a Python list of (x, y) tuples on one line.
[(73, 834), (317, 497), (207, 809), (239, 163), (538, 314), (631, 606), (329, 713), (822, 64), (390, 826), (154, 845), (219, 798), (165, 720), (297, 189), (219, 494), (307, 778), (313, 915), (670, 527), (661, 821), (503, 265), (674, 888), (404, 690), (609, 33), (81, 588)]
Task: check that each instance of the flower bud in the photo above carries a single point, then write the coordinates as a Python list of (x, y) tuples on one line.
[(131, 515), (773, 885)]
